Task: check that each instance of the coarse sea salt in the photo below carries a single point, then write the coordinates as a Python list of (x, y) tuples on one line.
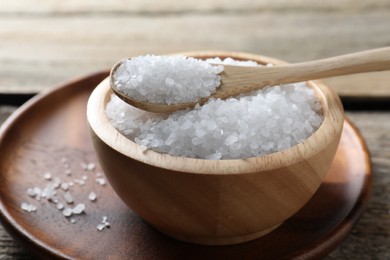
[(266, 121), (59, 192), (166, 79)]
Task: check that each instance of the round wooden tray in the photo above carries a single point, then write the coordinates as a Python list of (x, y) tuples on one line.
[(50, 134)]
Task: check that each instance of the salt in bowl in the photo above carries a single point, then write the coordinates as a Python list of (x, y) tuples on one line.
[(216, 202)]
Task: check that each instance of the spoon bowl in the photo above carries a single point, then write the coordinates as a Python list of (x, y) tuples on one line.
[(236, 80)]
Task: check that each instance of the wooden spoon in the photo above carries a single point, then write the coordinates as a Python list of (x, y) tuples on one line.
[(237, 80)]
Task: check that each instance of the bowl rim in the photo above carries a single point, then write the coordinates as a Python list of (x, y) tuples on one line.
[(329, 129)]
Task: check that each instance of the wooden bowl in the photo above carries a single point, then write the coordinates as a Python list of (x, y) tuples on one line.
[(215, 202)]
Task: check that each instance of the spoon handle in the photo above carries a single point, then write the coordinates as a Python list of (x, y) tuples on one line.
[(365, 61), (254, 78)]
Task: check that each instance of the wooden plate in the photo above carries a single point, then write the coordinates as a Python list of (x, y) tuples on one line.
[(49, 134)]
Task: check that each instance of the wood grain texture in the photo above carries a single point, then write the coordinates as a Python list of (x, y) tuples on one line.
[(69, 38), (172, 6), (45, 43)]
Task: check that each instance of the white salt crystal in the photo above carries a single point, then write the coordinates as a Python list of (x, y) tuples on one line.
[(166, 79), (64, 186), (60, 206), (68, 198), (31, 192), (92, 196), (47, 176), (37, 191), (78, 209), (28, 207), (48, 192), (79, 182), (104, 224), (91, 166), (56, 182), (101, 181), (67, 212), (275, 118), (72, 220), (101, 226)]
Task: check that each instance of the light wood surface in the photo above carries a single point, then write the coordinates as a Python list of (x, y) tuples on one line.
[(44, 43), (236, 80)]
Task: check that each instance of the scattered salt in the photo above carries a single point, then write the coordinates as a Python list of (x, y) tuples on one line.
[(28, 207), (103, 224), (68, 198), (80, 182), (92, 196), (78, 209), (166, 79), (64, 186), (47, 176), (55, 187), (60, 206), (57, 182), (91, 166), (101, 181), (31, 192), (67, 212), (265, 121)]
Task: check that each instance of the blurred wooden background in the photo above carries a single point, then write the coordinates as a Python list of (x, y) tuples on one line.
[(44, 42)]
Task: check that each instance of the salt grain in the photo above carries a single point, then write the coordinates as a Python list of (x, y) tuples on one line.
[(28, 207), (91, 166), (262, 122), (92, 196), (55, 187), (78, 209), (67, 212), (47, 176), (68, 198), (31, 192), (60, 206), (103, 224), (64, 186), (166, 79), (101, 181)]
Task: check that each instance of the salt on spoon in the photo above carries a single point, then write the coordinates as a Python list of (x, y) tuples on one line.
[(236, 80)]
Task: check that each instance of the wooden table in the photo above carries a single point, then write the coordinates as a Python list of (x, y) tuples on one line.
[(43, 43)]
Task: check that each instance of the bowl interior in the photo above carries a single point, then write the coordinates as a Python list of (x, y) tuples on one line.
[(331, 108)]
